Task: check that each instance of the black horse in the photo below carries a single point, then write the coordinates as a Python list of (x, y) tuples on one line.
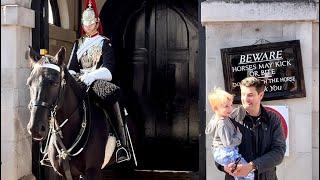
[(76, 145)]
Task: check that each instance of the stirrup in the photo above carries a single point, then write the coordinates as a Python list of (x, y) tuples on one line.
[(121, 148), (126, 155)]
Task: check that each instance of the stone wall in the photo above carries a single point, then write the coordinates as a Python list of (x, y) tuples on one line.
[(17, 19), (241, 24), (315, 101)]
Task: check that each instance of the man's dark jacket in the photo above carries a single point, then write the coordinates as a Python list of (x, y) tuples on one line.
[(263, 142)]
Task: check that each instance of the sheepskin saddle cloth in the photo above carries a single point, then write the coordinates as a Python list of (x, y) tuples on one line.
[(101, 90)]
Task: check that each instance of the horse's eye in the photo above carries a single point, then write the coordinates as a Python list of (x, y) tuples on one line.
[(48, 83), (54, 83)]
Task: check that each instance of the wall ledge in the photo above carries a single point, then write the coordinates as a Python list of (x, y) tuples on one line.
[(15, 15), (216, 12)]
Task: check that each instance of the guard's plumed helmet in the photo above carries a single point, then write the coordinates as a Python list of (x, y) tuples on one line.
[(88, 16)]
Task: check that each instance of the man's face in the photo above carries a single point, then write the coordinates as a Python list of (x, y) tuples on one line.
[(250, 99), (89, 29)]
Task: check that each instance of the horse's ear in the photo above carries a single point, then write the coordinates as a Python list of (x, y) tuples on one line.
[(33, 56), (61, 54)]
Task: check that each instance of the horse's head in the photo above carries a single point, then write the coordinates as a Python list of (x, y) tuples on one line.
[(45, 83)]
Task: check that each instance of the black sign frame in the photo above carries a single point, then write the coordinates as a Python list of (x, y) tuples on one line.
[(279, 66)]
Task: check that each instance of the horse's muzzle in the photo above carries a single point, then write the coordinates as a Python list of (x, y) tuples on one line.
[(37, 133), (37, 128)]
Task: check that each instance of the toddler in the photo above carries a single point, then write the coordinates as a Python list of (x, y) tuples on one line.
[(226, 136)]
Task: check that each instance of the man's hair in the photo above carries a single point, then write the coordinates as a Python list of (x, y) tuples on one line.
[(253, 82), (219, 96)]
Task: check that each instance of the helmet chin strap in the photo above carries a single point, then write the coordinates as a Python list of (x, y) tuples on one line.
[(93, 33)]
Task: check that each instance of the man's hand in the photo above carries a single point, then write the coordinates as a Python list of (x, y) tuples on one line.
[(242, 170), (228, 168)]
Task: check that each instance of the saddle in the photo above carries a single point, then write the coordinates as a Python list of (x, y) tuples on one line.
[(100, 90), (106, 91)]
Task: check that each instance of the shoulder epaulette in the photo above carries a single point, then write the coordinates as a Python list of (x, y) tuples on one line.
[(80, 40), (105, 37), (108, 40)]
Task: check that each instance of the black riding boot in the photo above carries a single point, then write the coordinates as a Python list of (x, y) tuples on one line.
[(122, 153)]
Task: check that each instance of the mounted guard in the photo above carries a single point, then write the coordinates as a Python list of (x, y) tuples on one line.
[(92, 56)]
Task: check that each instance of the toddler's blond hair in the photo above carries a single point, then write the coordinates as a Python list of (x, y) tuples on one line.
[(216, 98)]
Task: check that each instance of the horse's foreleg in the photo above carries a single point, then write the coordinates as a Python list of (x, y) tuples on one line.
[(93, 174)]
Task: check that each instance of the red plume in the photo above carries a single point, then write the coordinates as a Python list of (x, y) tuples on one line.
[(95, 9)]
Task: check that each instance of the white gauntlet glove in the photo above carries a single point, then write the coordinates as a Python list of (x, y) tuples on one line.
[(87, 79), (101, 73), (72, 72)]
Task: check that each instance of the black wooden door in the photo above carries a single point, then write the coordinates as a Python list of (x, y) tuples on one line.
[(161, 46)]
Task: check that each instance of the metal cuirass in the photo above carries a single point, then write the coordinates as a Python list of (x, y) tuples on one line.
[(91, 57)]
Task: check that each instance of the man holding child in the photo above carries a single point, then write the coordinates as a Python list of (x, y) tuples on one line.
[(263, 143)]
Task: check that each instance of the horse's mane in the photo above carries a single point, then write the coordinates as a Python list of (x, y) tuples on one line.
[(78, 87)]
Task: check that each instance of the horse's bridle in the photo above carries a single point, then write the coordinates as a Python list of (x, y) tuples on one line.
[(58, 102)]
